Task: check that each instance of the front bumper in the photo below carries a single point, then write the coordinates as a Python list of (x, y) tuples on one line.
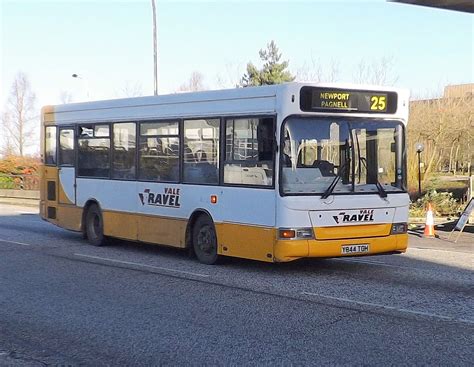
[(288, 250)]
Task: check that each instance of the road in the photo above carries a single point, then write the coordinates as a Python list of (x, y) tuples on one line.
[(64, 302)]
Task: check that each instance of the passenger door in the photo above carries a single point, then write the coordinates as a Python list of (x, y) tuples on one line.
[(49, 181), (66, 170)]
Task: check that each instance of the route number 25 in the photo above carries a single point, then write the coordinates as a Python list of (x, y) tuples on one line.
[(378, 103)]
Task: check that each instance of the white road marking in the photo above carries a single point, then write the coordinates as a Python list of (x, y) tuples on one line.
[(371, 262), (434, 249), (398, 309), (17, 243), (142, 265)]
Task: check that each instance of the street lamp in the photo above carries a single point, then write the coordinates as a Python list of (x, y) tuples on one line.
[(419, 148), (155, 50)]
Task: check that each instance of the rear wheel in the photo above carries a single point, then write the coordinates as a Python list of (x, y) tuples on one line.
[(205, 240), (95, 226)]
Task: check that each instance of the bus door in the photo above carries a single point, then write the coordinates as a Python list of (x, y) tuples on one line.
[(49, 182), (69, 215), (67, 169)]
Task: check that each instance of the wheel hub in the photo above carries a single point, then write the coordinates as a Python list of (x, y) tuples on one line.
[(205, 240)]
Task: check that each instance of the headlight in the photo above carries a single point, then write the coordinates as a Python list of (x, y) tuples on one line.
[(295, 233), (399, 228)]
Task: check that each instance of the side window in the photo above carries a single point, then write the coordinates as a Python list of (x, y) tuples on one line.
[(50, 146), (124, 151), (93, 151), (66, 147), (249, 151), (159, 151), (201, 151)]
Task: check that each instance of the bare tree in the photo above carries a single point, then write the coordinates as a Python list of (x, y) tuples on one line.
[(19, 115), (379, 72), (132, 89), (65, 97), (314, 71), (231, 77), (445, 126), (6, 147), (195, 83)]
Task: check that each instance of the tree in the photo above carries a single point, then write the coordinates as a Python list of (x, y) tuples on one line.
[(445, 126), (132, 90), (272, 72), (316, 72), (195, 83), (231, 77), (65, 97), (379, 72), (7, 146), (19, 115)]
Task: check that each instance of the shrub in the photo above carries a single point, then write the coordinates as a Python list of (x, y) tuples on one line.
[(442, 203), (14, 165), (7, 183)]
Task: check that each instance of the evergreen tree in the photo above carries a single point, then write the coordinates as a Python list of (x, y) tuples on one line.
[(272, 72)]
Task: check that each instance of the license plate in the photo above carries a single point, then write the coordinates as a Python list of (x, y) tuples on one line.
[(354, 249)]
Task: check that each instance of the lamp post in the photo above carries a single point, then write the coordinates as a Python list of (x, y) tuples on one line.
[(419, 148), (155, 50)]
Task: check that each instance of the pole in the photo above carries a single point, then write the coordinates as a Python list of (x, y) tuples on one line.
[(419, 175), (155, 51)]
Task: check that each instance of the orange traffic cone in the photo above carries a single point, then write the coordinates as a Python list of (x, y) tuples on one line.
[(429, 226)]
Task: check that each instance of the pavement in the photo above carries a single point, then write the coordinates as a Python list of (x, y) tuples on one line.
[(64, 302), (33, 203), (445, 237)]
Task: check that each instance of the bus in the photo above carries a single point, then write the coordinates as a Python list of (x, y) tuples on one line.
[(272, 173)]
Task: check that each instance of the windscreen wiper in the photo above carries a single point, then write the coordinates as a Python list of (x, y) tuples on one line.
[(334, 182), (380, 189), (382, 192)]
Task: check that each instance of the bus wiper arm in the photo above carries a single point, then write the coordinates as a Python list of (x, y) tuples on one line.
[(380, 189), (378, 185), (334, 182)]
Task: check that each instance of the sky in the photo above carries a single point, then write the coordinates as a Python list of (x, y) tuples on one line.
[(110, 45)]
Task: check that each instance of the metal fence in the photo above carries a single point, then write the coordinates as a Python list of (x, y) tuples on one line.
[(19, 182)]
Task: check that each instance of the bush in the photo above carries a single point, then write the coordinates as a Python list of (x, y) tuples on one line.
[(7, 183), (14, 165), (442, 203)]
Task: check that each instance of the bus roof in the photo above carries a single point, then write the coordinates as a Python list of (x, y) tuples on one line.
[(238, 101)]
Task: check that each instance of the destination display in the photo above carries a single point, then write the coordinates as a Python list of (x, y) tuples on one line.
[(317, 99)]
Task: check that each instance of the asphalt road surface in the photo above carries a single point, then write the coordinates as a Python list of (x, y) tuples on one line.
[(64, 302)]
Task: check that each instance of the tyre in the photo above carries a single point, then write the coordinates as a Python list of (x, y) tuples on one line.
[(205, 240), (95, 226)]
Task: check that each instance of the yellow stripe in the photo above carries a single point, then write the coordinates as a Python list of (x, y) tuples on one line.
[(249, 242), (48, 173), (356, 231), (291, 250), (145, 228), (63, 199), (164, 231), (69, 217)]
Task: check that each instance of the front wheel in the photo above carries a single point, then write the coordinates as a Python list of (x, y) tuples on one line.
[(205, 241), (95, 226)]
